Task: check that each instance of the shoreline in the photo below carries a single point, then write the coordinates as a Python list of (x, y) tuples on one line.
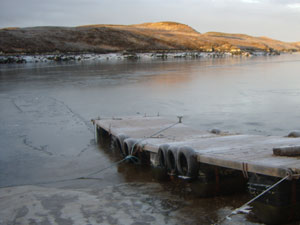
[(65, 57)]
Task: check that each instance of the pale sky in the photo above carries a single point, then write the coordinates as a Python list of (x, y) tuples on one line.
[(278, 19)]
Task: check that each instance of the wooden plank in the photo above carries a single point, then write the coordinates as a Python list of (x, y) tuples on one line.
[(287, 151)]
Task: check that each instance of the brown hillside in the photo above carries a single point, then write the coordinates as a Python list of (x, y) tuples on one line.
[(297, 44), (246, 42), (167, 36)]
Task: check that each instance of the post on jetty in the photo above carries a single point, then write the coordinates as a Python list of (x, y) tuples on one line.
[(213, 162)]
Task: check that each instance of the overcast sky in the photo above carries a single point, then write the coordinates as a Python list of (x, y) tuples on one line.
[(278, 19)]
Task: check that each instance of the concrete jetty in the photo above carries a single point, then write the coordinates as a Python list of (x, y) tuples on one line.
[(247, 153), (214, 160)]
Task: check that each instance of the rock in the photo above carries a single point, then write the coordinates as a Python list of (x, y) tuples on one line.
[(57, 58), (294, 134), (131, 56), (215, 131)]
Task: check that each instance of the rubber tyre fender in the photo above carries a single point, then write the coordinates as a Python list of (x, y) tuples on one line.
[(187, 164), (128, 144), (162, 156), (172, 160), (120, 140)]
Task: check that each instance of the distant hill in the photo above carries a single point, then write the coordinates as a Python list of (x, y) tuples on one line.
[(297, 44), (147, 37)]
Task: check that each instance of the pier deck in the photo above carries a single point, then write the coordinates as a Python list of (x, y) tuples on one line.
[(248, 153)]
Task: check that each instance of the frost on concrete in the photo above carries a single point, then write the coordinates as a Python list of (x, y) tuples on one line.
[(122, 204)]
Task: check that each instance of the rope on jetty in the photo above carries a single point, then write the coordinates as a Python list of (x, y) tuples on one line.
[(130, 157), (246, 205), (153, 135), (127, 158)]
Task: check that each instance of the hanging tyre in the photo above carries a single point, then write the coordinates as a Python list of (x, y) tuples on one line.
[(130, 146), (187, 164), (162, 156), (120, 140), (172, 159)]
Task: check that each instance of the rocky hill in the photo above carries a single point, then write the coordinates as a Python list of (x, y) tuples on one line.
[(147, 37)]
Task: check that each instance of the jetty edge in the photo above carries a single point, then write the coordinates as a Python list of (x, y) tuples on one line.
[(212, 163)]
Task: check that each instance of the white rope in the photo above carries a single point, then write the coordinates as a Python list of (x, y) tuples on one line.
[(151, 136), (237, 210)]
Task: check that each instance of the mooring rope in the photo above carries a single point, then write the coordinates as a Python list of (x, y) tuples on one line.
[(130, 157), (127, 158), (237, 210), (151, 136)]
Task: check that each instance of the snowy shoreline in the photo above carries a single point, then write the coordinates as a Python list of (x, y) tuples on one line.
[(8, 59)]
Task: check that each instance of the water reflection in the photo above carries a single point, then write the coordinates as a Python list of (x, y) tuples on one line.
[(47, 109)]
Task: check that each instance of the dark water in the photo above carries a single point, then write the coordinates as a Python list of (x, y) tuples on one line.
[(45, 111)]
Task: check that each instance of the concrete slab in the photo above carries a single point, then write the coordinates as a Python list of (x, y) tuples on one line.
[(128, 203)]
